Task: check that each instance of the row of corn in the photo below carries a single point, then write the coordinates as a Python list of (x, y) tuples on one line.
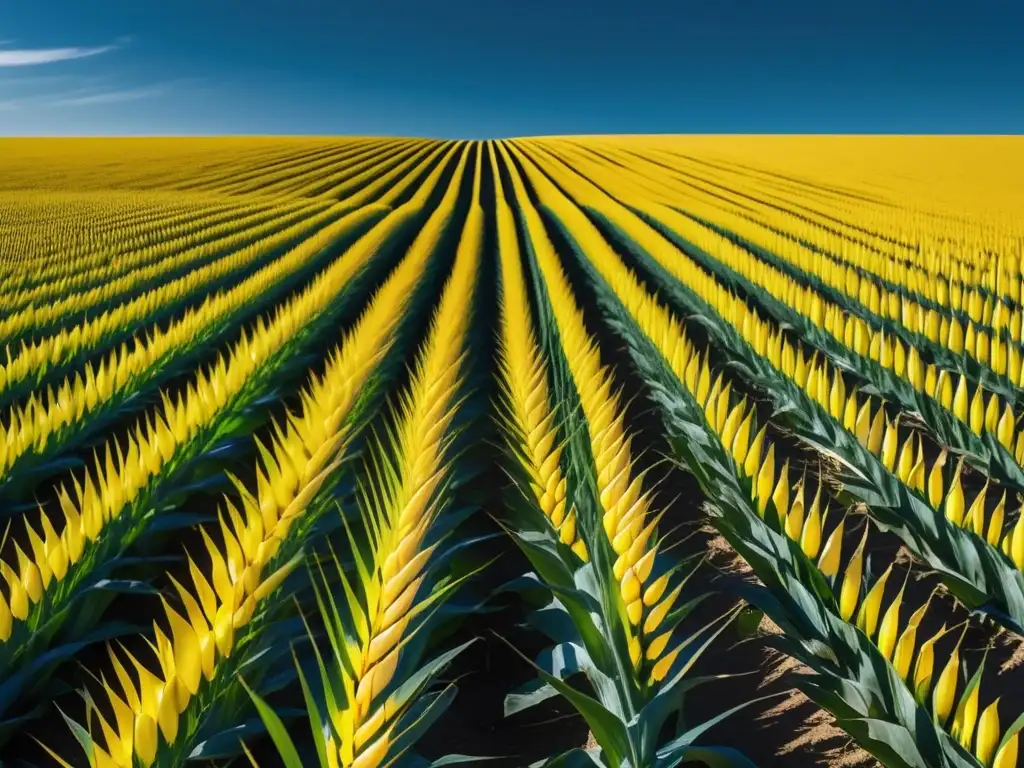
[(170, 380)]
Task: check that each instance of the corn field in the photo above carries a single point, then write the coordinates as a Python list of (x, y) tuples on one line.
[(603, 451)]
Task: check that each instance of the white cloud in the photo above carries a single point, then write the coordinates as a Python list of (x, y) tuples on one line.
[(27, 57)]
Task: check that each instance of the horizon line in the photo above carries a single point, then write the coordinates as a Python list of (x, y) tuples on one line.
[(705, 134)]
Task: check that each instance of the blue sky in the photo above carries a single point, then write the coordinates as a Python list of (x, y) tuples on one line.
[(486, 68)]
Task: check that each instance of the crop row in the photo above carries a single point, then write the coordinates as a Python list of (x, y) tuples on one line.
[(264, 416)]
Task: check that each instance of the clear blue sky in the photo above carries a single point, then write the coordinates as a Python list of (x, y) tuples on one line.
[(486, 68)]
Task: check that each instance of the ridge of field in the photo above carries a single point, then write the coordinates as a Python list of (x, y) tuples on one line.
[(779, 377)]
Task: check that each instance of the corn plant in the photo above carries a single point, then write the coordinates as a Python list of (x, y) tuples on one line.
[(111, 512), (592, 535), (373, 701), (900, 715), (978, 572), (827, 331), (227, 627)]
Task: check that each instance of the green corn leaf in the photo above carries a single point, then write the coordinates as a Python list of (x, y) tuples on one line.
[(276, 729)]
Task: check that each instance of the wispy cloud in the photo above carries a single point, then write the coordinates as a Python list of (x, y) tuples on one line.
[(28, 57), (108, 97), (35, 84), (24, 94)]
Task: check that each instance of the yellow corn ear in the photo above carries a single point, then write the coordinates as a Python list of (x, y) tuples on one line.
[(867, 616), (954, 503), (831, 554), (1006, 757), (988, 733), (945, 688), (849, 594)]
